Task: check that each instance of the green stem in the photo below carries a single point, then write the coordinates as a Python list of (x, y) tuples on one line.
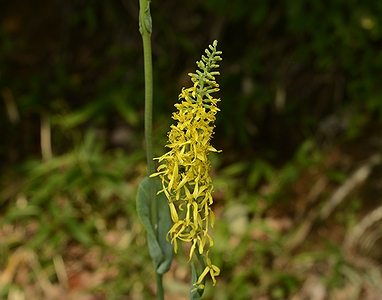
[(160, 291), (145, 29), (145, 19)]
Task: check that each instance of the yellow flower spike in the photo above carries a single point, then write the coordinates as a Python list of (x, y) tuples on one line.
[(184, 169)]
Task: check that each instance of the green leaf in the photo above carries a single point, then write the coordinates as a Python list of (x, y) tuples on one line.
[(196, 293), (164, 225), (160, 249)]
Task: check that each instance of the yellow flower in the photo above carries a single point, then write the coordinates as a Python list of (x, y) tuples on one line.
[(184, 169), (210, 268)]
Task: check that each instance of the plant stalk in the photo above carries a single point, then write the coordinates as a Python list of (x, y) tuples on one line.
[(145, 29)]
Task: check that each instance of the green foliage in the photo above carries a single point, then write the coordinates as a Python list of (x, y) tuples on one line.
[(160, 249), (72, 189), (196, 292), (74, 200)]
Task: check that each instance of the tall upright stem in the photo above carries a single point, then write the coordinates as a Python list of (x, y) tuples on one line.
[(145, 27)]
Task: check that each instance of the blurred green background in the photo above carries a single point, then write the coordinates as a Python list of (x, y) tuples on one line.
[(297, 186)]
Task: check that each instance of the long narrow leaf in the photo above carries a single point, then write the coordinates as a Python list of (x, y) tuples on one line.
[(160, 249)]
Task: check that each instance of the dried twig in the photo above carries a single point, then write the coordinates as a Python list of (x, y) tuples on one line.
[(357, 178), (369, 220)]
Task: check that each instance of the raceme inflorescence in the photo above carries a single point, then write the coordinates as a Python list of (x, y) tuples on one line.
[(184, 169)]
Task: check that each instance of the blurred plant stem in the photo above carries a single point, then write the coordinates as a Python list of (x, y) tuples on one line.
[(145, 27)]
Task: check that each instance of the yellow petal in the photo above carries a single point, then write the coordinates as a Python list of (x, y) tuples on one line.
[(173, 212), (204, 273)]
